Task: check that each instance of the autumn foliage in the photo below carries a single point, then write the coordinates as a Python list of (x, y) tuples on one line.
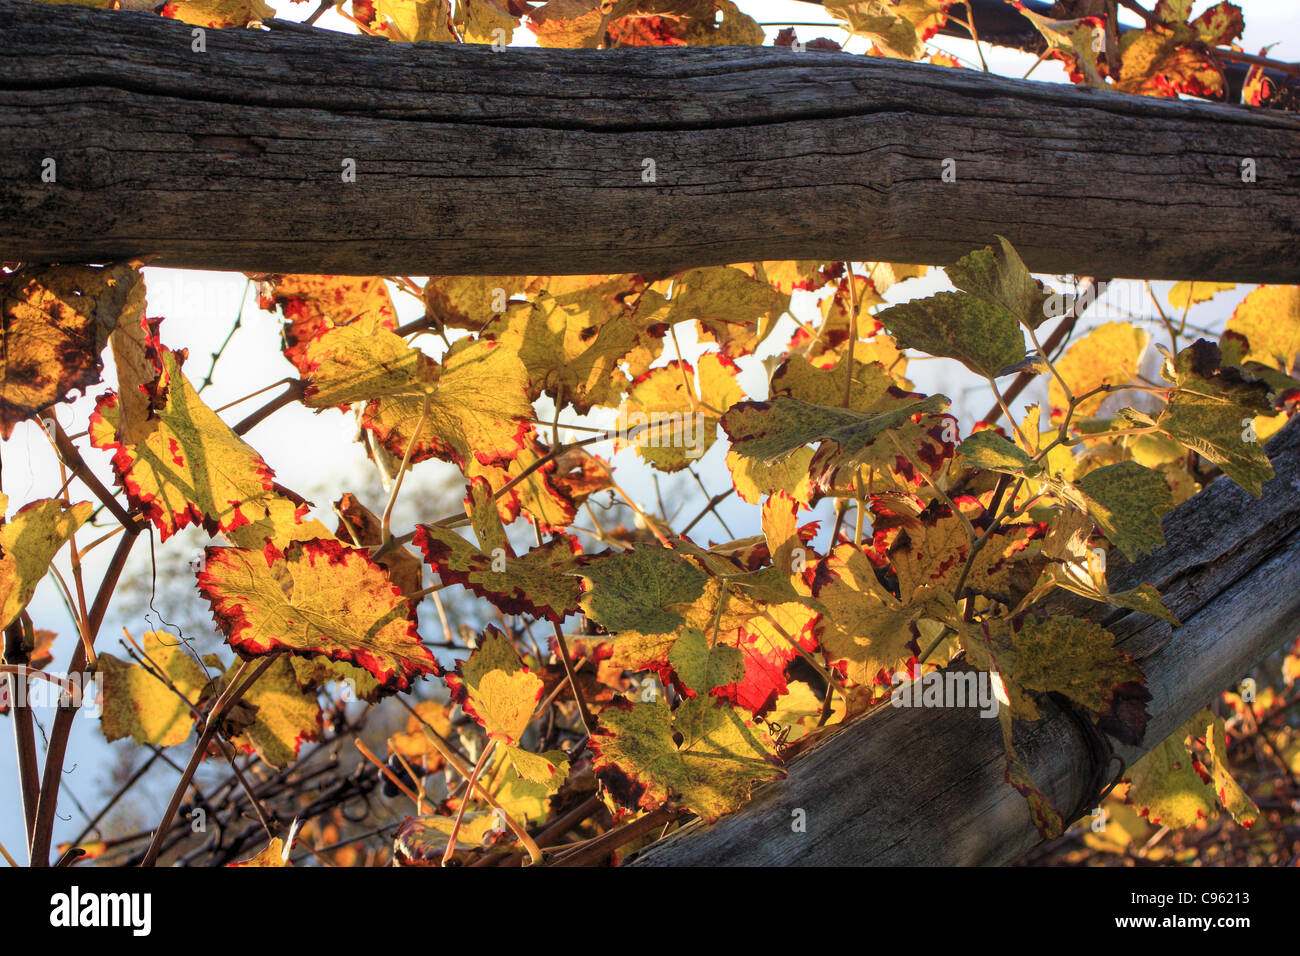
[(639, 671)]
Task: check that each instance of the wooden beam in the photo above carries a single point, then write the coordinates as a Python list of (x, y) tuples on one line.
[(535, 161), (926, 786)]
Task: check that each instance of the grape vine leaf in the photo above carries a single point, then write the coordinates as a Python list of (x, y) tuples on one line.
[(732, 308), (179, 463), (415, 21), (276, 519), (702, 667), (982, 336), (315, 598), (867, 631), (1108, 355), (54, 322), (313, 303), (898, 27), (999, 277), (1167, 58), (1185, 294), (275, 855), (641, 590), (669, 420), (364, 529), (1171, 786), (1127, 500), (420, 841), (542, 582), (712, 769), (496, 689), (773, 430), (754, 478), (1210, 412), (934, 550), (763, 621), (476, 396), (217, 13), (577, 334), (988, 450), (286, 715), (137, 704), (28, 543), (478, 20), (1269, 318), (1077, 658), (681, 23), (574, 24)]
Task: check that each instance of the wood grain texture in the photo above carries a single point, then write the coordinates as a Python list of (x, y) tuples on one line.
[(926, 787), (531, 161)]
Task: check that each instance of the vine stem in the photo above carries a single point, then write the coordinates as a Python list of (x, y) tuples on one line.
[(24, 733), (853, 334), (57, 747), (587, 723), (228, 698), (449, 754), (385, 528), (393, 778), (469, 794), (595, 850), (24, 670), (293, 393), (1058, 336)]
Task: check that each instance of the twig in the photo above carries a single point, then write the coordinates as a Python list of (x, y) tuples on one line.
[(587, 723), (56, 749), (228, 698)]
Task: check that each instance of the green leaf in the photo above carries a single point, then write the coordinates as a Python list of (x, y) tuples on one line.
[(998, 276), (982, 336), (771, 431), (1212, 411), (712, 770), (702, 668), (988, 450), (898, 27), (1127, 500), (639, 590), (1144, 598), (1077, 658)]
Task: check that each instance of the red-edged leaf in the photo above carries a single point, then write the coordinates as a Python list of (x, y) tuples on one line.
[(315, 597)]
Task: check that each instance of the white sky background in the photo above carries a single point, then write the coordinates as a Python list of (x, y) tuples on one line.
[(314, 454)]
